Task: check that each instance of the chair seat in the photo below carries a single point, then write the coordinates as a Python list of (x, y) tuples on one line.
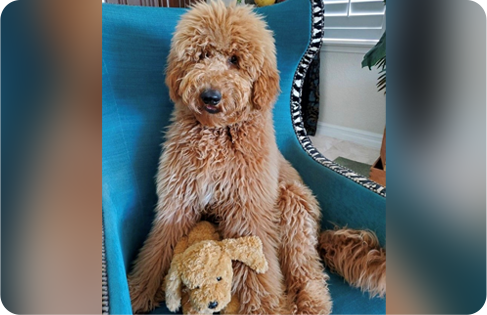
[(346, 299), (349, 300)]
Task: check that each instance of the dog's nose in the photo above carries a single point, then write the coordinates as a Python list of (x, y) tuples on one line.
[(211, 97), (213, 305)]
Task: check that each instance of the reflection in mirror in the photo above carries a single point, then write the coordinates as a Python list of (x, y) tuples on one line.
[(352, 112)]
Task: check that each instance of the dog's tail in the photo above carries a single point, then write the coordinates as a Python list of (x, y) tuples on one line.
[(357, 256)]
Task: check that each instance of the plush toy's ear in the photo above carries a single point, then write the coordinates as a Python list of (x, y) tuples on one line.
[(248, 250), (174, 285), (266, 87)]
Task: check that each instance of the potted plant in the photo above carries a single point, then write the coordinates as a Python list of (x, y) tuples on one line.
[(377, 57)]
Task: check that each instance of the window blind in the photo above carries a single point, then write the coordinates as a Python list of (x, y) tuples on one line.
[(354, 20)]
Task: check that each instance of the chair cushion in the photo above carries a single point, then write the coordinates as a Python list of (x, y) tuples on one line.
[(346, 300)]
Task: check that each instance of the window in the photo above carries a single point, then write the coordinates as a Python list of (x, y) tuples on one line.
[(354, 20)]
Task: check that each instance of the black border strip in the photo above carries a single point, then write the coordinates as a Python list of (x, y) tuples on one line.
[(317, 29)]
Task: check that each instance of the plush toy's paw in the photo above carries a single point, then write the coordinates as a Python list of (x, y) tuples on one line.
[(261, 265), (173, 305)]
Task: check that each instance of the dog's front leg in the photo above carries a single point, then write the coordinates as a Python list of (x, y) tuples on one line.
[(171, 223), (258, 293), (303, 271)]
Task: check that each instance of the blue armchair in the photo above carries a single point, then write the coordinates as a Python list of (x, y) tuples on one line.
[(136, 109)]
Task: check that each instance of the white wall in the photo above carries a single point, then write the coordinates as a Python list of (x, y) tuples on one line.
[(350, 105)]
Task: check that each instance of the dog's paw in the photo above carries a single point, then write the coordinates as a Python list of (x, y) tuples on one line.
[(314, 298), (142, 300)]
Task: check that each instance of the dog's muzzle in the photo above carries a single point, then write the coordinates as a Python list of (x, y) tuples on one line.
[(211, 99)]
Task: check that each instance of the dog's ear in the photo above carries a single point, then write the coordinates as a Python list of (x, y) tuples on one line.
[(266, 87), (174, 73), (247, 249), (173, 285)]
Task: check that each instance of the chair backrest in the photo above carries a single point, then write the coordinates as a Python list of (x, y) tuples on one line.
[(137, 108)]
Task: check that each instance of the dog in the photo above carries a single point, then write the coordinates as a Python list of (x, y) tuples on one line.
[(201, 273), (220, 160)]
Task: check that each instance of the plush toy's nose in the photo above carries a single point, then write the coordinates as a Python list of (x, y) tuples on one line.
[(213, 305)]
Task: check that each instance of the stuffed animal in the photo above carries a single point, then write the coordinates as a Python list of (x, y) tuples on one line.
[(201, 273)]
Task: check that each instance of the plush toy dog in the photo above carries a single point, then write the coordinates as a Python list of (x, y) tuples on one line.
[(200, 277)]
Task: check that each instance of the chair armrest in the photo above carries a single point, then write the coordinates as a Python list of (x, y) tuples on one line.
[(343, 201)]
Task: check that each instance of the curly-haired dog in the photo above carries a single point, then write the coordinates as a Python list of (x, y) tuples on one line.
[(221, 161)]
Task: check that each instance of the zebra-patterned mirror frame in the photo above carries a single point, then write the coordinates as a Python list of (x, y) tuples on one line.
[(317, 29)]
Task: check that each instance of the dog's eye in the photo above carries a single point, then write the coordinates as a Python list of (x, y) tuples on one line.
[(219, 279), (234, 60), (197, 287)]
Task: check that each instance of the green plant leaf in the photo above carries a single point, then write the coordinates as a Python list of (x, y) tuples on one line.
[(381, 85), (377, 57), (382, 64), (377, 53)]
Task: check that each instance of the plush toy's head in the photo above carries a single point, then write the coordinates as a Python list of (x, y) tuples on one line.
[(205, 270)]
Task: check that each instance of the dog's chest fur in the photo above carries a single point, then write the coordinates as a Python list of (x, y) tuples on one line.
[(224, 165)]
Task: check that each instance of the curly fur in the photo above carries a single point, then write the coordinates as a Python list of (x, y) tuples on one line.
[(226, 166), (357, 256)]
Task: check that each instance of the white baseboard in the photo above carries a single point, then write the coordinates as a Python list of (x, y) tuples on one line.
[(365, 138), (350, 46)]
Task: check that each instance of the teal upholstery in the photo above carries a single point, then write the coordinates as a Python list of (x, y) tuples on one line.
[(136, 109)]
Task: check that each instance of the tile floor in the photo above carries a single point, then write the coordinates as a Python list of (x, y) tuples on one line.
[(332, 148)]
